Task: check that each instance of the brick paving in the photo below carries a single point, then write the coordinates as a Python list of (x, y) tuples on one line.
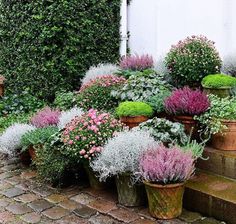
[(23, 199)]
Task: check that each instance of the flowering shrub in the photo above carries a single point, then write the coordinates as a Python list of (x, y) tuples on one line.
[(141, 86), (67, 116), (166, 165), (192, 59), (187, 102), (229, 65), (10, 140), (45, 117), (100, 70), (97, 93), (84, 136), (121, 153), (136, 62)]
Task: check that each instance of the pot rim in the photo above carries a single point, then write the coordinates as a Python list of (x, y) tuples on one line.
[(185, 117), (143, 116), (163, 186), (220, 88), (228, 121)]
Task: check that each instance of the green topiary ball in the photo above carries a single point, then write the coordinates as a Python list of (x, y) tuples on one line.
[(219, 81), (191, 60)]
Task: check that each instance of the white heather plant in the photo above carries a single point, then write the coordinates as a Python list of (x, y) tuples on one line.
[(10, 140), (121, 154), (229, 64), (98, 71), (68, 115)]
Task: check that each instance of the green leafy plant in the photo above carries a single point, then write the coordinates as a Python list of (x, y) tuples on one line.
[(221, 108), (219, 81), (141, 86), (18, 103), (48, 45), (37, 137), (191, 60), (134, 109), (65, 100)]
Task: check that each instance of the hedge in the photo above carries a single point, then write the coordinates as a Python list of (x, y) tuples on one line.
[(48, 45)]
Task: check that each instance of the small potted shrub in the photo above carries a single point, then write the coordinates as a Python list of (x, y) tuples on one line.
[(220, 122), (164, 172), (120, 158), (34, 139), (219, 84), (184, 104), (85, 136), (134, 113)]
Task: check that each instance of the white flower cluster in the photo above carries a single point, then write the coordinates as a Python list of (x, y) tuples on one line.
[(229, 64), (67, 116), (121, 154), (10, 140), (98, 71)]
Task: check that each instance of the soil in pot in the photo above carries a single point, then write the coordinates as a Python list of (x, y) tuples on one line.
[(220, 92), (129, 194), (165, 201), (227, 139), (132, 122)]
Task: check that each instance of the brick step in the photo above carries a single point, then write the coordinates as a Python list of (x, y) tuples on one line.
[(219, 162), (212, 195)]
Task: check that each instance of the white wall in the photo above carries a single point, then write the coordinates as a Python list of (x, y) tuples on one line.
[(155, 25)]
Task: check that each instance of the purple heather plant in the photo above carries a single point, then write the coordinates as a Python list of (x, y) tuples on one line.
[(186, 101), (164, 165), (46, 117), (136, 62)]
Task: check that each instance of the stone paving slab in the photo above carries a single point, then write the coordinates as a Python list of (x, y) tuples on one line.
[(25, 200)]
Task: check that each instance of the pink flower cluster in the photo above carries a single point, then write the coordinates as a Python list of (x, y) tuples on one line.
[(186, 101), (105, 81), (86, 135), (166, 165), (136, 62), (46, 117)]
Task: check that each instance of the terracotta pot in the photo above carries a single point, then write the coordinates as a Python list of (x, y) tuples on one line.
[(165, 201), (220, 92), (129, 194), (32, 152), (93, 179), (190, 125), (132, 122), (227, 139)]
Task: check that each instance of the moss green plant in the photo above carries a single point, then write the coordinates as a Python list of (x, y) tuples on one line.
[(218, 81), (131, 109)]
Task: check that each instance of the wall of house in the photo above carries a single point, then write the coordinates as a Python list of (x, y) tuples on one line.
[(155, 25)]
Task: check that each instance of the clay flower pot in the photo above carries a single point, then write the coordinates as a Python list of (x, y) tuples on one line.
[(32, 152), (165, 201), (220, 92), (132, 122), (227, 139), (129, 194)]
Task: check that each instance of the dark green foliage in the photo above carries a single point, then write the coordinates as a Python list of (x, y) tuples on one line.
[(219, 81), (65, 100), (48, 45), (20, 103)]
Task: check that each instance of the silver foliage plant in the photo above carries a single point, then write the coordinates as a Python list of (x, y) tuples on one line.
[(121, 154), (229, 64), (98, 71), (67, 116), (10, 140)]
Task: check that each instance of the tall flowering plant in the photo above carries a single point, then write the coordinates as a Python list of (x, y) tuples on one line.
[(85, 136)]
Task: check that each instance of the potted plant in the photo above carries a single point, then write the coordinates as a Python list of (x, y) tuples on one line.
[(184, 104), (120, 158), (219, 84), (85, 136), (164, 172), (34, 139), (134, 113), (220, 122)]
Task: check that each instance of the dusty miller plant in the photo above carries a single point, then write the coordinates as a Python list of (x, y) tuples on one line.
[(121, 153), (10, 140)]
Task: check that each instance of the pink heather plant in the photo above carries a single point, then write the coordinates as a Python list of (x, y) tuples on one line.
[(163, 165), (104, 81), (136, 62), (85, 136), (186, 101), (45, 117)]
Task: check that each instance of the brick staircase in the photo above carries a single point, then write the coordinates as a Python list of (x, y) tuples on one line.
[(212, 191)]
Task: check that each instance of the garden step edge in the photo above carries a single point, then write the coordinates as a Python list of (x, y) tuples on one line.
[(212, 195), (219, 162)]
